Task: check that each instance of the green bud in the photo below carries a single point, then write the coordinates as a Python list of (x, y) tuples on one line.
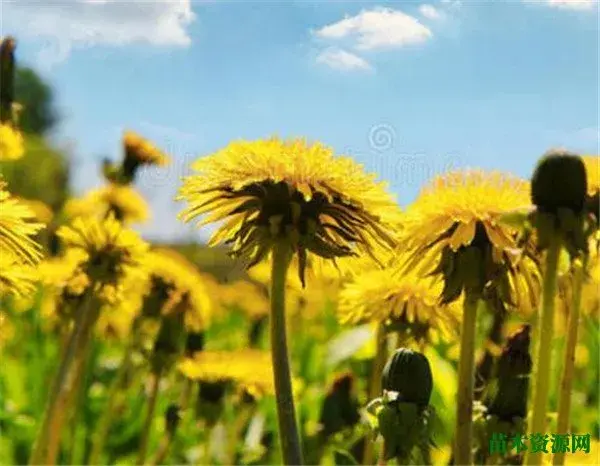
[(408, 373), (559, 181)]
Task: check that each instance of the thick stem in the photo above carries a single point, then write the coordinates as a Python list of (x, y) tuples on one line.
[(566, 384), (288, 429), (541, 378), (147, 427), (48, 438), (463, 454), (381, 353)]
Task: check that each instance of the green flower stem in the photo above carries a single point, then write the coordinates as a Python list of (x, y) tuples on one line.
[(288, 429), (114, 395), (566, 384), (163, 449), (80, 394), (147, 427), (48, 439), (381, 353), (463, 454), (236, 430), (541, 378)]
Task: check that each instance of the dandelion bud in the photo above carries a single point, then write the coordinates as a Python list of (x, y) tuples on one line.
[(559, 181), (408, 373)]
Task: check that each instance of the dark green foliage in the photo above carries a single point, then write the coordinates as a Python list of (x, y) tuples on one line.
[(37, 98), (41, 174)]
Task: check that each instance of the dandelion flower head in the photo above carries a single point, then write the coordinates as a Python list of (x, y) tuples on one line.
[(172, 275), (127, 205), (248, 368), (463, 209), (106, 251), (268, 191), (405, 301)]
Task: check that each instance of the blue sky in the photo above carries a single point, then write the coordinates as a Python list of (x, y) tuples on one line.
[(410, 89)]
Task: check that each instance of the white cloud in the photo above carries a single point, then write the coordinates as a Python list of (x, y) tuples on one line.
[(342, 60), (65, 25), (430, 12), (377, 28), (567, 4)]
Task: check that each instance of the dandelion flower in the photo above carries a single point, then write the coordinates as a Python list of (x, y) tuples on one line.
[(251, 369), (460, 209), (17, 229), (268, 190), (126, 204), (172, 274), (408, 302), (11, 143), (289, 198), (140, 151), (109, 253)]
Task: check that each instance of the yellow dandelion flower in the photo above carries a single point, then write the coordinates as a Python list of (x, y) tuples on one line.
[(140, 151), (461, 209), (273, 190), (109, 253), (251, 369), (17, 229), (11, 143), (172, 274), (406, 301), (124, 202), (16, 278)]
